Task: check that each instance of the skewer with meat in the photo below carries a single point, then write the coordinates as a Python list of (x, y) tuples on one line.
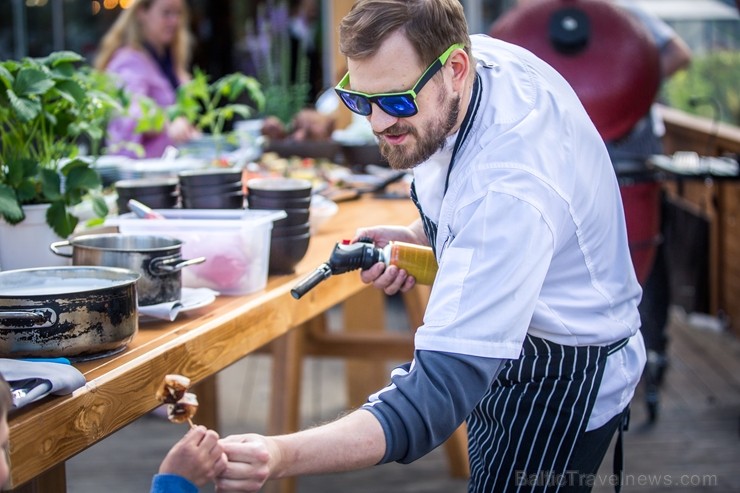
[(181, 404)]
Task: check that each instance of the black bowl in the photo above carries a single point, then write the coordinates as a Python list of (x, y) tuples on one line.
[(286, 252), (257, 202), (151, 200), (189, 191), (224, 201), (146, 186), (297, 230), (209, 176), (290, 188), (294, 217)]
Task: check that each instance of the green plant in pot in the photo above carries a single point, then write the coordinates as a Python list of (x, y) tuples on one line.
[(47, 106), (211, 105)]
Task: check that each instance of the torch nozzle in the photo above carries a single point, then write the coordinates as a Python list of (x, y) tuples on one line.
[(321, 273), (344, 258)]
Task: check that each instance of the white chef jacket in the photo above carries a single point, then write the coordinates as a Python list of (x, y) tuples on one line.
[(531, 231)]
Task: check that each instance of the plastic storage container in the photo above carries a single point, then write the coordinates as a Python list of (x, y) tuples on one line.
[(235, 243)]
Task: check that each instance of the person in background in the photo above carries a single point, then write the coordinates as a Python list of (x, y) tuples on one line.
[(633, 150), (191, 463), (6, 404), (304, 41), (148, 49), (644, 139), (531, 334)]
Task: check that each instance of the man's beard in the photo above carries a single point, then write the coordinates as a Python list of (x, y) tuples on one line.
[(402, 157)]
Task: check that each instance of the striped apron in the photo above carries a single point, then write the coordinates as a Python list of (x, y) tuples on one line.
[(522, 434)]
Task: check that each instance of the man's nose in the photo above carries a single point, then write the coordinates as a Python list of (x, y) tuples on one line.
[(380, 120)]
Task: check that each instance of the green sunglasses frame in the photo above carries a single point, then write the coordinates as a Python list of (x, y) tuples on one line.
[(413, 92)]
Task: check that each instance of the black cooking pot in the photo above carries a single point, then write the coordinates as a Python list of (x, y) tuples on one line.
[(80, 312), (157, 258)]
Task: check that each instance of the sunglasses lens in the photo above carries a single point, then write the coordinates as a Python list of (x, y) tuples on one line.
[(399, 106), (356, 103)]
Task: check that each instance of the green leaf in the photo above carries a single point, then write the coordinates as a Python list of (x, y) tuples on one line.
[(239, 109), (31, 81), (62, 222), (20, 170), (59, 57), (6, 76), (10, 209), (100, 208), (79, 180), (51, 184), (25, 109), (71, 91)]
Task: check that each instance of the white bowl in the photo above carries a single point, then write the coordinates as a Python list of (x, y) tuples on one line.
[(322, 209)]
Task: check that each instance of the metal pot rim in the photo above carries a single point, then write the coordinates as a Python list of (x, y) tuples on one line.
[(107, 277), (84, 240)]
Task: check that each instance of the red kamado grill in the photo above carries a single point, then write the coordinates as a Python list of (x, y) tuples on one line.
[(611, 63)]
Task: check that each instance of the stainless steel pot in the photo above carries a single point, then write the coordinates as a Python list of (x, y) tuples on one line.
[(67, 311), (157, 258)]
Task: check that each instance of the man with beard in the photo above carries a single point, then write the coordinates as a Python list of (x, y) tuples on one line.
[(531, 333)]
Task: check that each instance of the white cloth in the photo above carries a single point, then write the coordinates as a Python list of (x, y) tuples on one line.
[(32, 380), (190, 299), (531, 232)]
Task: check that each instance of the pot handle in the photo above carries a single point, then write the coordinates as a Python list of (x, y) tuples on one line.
[(54, 247), (27, 319), (165, 265)]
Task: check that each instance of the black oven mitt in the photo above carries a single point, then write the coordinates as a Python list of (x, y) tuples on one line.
[(33, 380)]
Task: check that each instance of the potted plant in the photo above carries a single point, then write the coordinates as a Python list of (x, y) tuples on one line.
[(47, 107), (210, 105)]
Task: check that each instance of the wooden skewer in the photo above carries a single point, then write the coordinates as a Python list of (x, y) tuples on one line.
[(190, 421)]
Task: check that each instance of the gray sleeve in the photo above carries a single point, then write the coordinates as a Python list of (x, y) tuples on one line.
[(428, 399)]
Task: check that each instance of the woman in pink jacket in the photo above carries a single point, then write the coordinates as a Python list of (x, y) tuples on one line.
[(148, 49)]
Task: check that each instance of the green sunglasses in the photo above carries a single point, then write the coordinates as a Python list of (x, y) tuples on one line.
[(396, 104)]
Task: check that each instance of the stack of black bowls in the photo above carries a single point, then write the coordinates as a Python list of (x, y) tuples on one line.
[(154, 193), (290, 235), (211, 188)]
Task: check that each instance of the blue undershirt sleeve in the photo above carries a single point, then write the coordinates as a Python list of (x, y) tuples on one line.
[(428, 399), (172, 483)]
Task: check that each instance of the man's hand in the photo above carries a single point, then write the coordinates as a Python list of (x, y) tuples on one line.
[(389, 278), (250, 462)]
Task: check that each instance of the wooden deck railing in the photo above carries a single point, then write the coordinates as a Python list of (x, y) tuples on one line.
[(716, 199)]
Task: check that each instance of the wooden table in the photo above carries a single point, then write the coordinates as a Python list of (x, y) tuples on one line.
[(199, 344)]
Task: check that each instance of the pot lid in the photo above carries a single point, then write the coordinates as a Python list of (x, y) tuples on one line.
[(605, 54)]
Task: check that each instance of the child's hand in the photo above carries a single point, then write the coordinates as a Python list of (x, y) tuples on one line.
[(198, 457)]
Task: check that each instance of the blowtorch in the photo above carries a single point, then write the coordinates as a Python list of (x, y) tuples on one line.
[(418, 261)]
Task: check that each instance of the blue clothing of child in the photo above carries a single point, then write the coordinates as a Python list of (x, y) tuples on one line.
[(172, 483)]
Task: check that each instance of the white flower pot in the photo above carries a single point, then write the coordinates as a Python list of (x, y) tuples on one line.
[(26, 245)]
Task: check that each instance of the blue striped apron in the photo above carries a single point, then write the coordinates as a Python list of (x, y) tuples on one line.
[(522, 434)]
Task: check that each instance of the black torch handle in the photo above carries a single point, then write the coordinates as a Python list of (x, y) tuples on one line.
[(321, 273)]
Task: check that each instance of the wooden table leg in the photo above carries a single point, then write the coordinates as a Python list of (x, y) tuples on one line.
[(55, 479), (285, 400), (365, 312), (207, 393), (456, 449)]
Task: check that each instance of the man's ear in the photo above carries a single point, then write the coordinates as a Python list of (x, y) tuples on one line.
[(460, 63)]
